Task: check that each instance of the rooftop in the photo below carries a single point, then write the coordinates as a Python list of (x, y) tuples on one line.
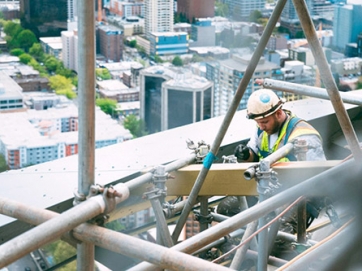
[(9, 89)]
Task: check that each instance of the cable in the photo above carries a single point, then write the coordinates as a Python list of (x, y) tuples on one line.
[(315, 246), (258, 231)]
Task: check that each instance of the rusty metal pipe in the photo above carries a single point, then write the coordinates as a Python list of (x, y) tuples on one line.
[(326, 75), (311, 187), (228, 117), (52, 229)]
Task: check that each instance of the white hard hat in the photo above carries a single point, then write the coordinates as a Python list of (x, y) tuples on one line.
[(263, 103)]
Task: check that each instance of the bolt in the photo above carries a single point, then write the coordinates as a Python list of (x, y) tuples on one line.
[(111, 193)]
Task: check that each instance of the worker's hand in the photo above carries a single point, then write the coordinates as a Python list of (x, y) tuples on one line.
[(242, 152), (259, 81)]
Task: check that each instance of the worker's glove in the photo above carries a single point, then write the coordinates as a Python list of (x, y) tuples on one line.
[(242, 152)]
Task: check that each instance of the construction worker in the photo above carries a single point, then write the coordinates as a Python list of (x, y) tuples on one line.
[(276, 127)]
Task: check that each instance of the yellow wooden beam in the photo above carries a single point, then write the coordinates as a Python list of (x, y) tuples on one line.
[(228, 179)]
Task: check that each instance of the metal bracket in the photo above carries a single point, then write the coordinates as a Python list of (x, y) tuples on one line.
[(300, 149), (201, 150), (154, 193), (333, 216), (109, 195), (267, 182), (229, 159), (299, 247), (203, 218)]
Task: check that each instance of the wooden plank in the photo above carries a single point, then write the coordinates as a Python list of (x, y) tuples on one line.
[(228, 179)]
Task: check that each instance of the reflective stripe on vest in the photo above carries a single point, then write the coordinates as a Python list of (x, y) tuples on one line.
[(289, 132)]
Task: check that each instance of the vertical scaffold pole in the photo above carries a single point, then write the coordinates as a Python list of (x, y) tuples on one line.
[(86, 108)]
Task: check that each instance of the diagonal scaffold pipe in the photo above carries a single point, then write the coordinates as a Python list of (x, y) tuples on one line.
[(327, 78), (327, 182), (228, 117), (340, 175)]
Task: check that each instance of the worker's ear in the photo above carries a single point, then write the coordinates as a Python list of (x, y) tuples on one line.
[(279, 113)]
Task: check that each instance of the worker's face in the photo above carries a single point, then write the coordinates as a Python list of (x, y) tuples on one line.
[(269, 124)]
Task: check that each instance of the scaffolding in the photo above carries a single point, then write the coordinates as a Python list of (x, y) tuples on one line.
[(94, 203)]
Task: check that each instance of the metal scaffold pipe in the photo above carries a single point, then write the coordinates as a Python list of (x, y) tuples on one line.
[(147, 177), (310, 91), (108, 239), (49, 231), (319, 184), (55, 227), (228, 117), (86, 104), (327, 77)]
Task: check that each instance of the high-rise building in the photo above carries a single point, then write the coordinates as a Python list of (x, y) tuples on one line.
[(127, 9), (70, 49), (289, 17), (193, 9), (241, 9), (226, 75), (110, 42), (44, 17), (346, 25), (168, 43), (158, 16), (359, 45), (72, 15), (173, 97), (203, 33), (323, 9)]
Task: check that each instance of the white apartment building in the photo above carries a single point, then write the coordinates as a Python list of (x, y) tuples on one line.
[(11, 97), (70, 49), (158, 16), (38, 136)]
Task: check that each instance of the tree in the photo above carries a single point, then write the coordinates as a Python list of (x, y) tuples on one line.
[(103, 74), (135, 126), (41, 69), (133, 43), (196, 58), (108, 106), (12, 29), (158, 59), (3, 165), (52, 64), (60, 83), (17, 52), (25, 58), (26, 39), (70, 94), (221, 9), (37, 51), (300, 35), (255, 16), (61, 251), (115, 226), (177, 61)]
